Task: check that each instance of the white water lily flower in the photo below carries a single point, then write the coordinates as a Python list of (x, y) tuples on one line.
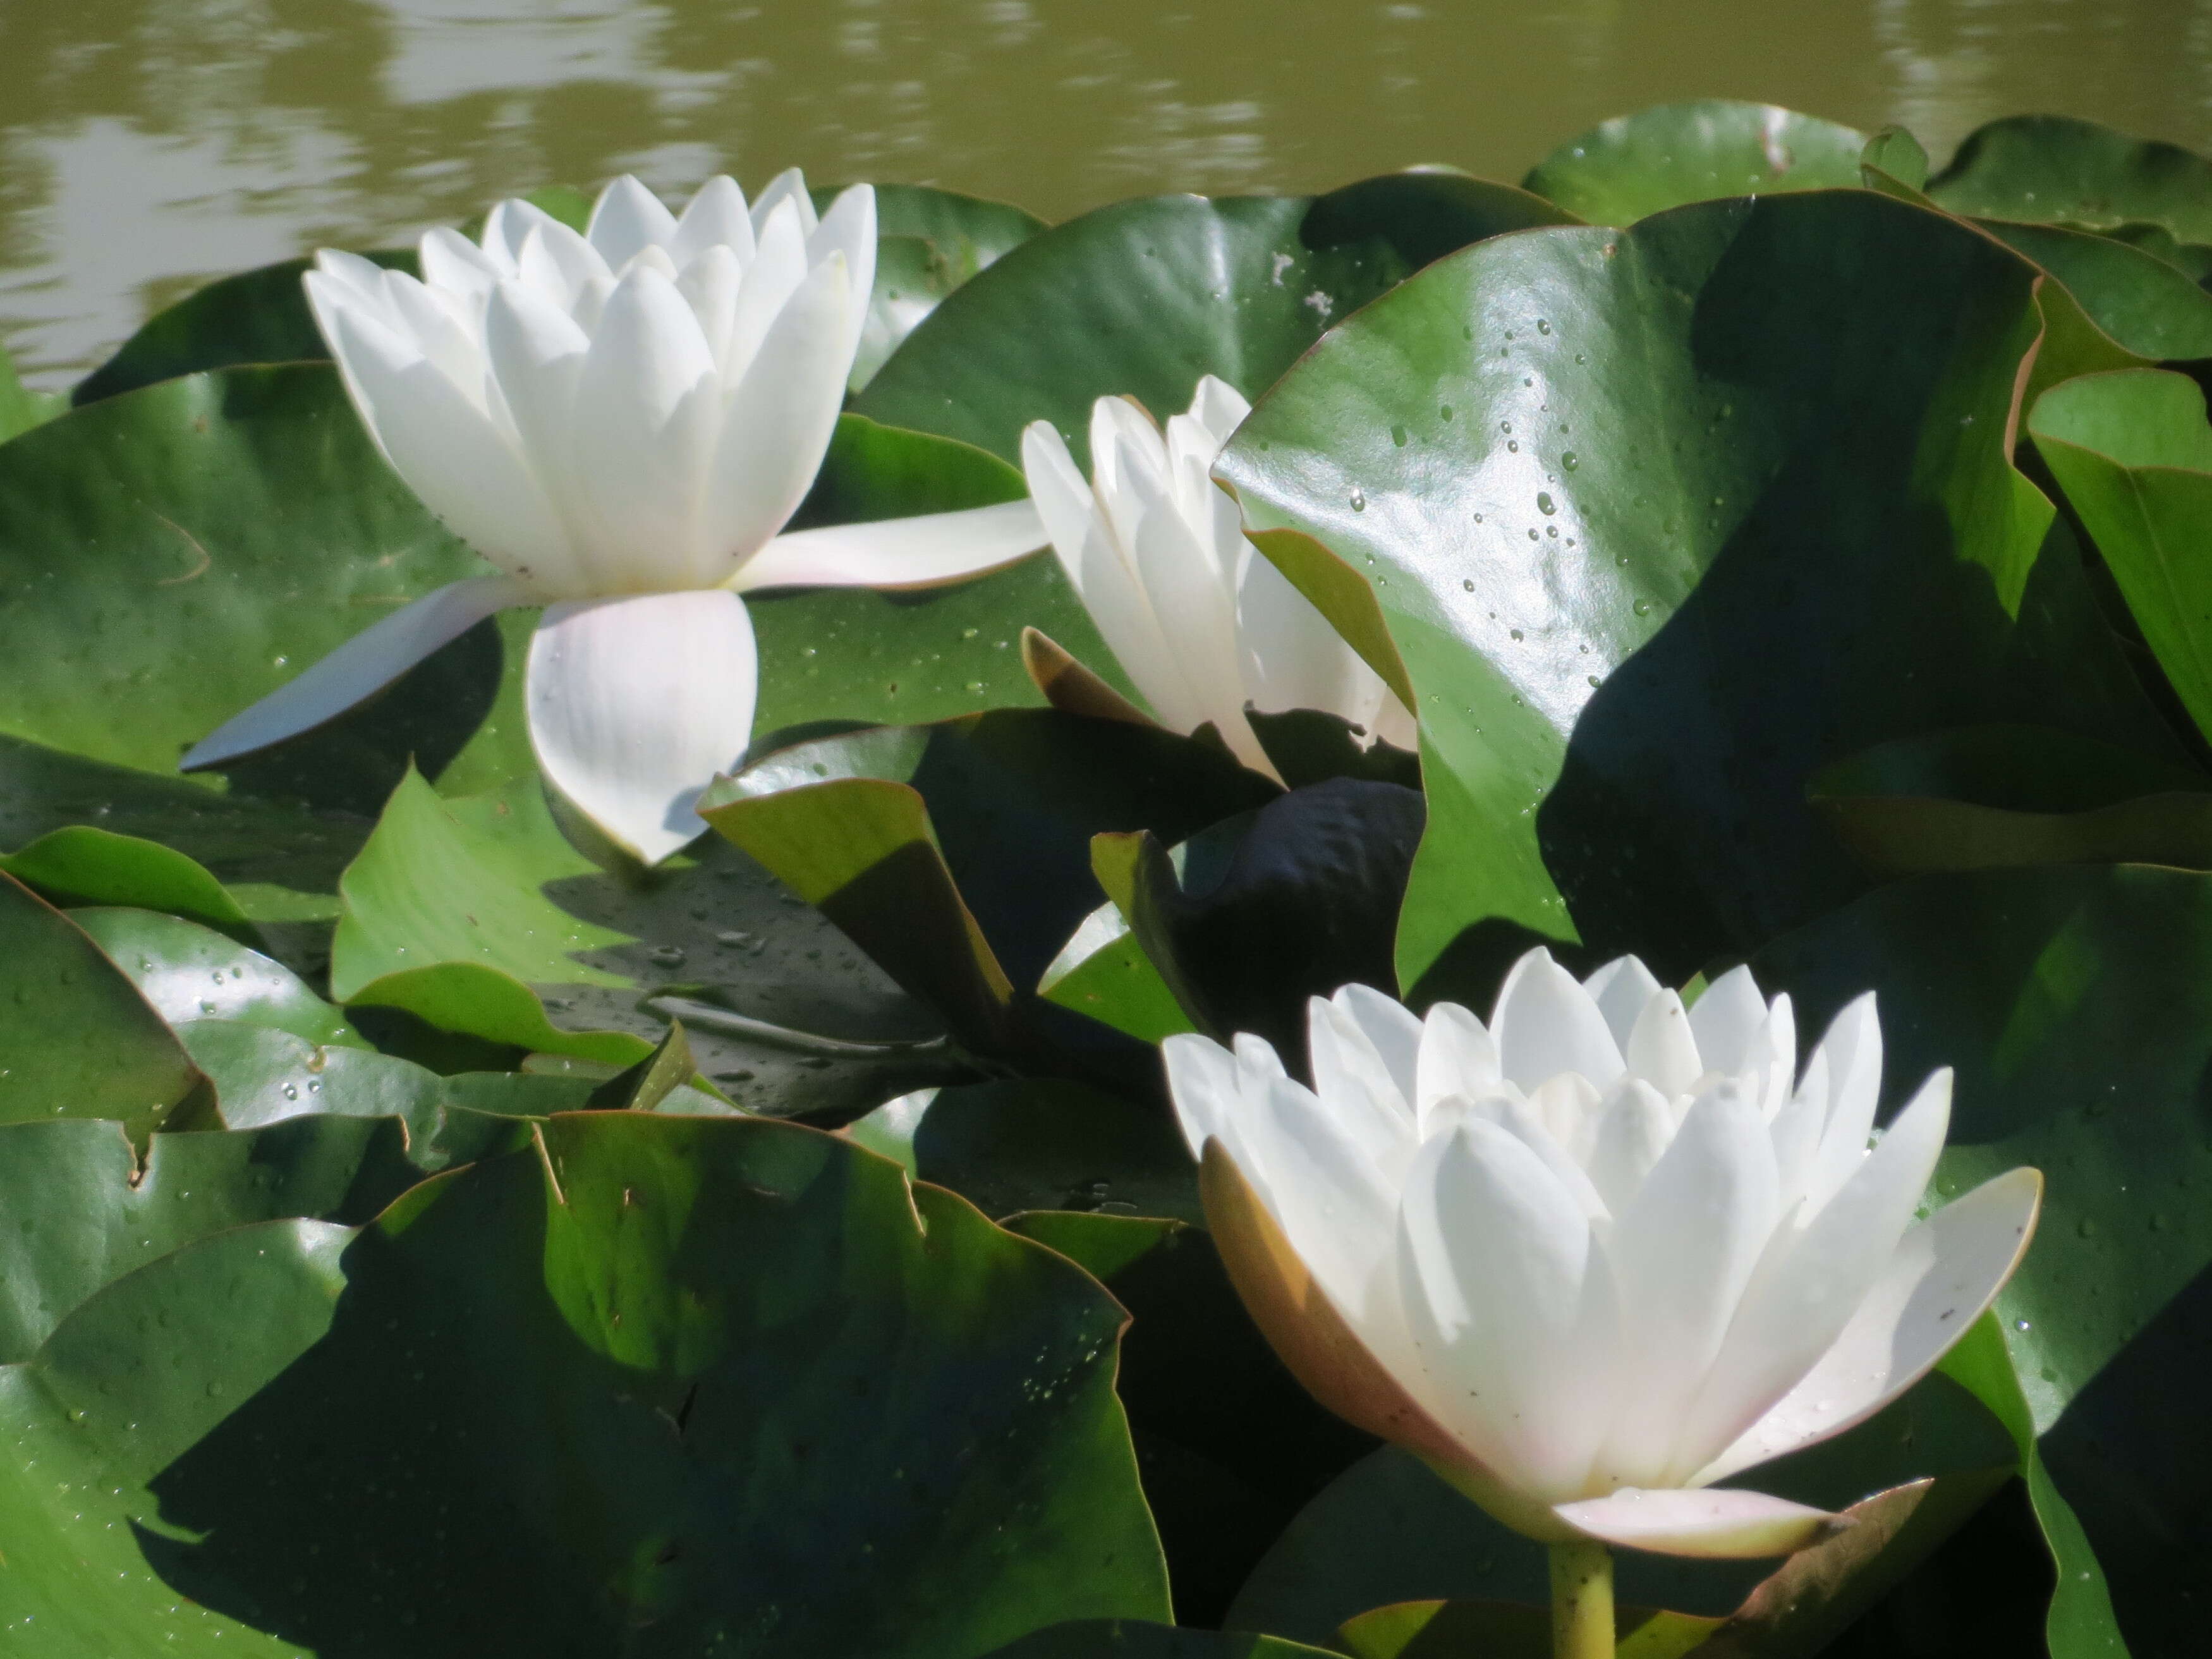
[(622, 422), (1602, 1253), (1199, 619)]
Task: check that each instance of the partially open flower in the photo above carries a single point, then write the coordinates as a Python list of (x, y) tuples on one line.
[(620, 422), (1602, 1253), (1199, 619)]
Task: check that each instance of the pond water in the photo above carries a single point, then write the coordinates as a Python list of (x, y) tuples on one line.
[(146, 144)]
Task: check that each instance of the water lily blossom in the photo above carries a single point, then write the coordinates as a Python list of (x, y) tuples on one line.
[(1199, 620), (1598, 1255), (622, 422)]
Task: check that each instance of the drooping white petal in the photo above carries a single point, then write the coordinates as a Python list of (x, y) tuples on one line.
[(627, 219), (1682, 1250), (1545, 1023), (1456, 1057), (1811, 1280), (358, 670), (449, 452), (1722, 1524), (1494, 1257), (924, 551), (716, 217), (777, 425), (1724, 1019), (636, 703), (1943, 1275), (1622, 990)]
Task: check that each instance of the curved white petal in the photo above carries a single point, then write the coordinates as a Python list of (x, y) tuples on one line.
[(447, 449), (1661, 1048), (1219, 407), (788, 186), (536, 355), (924, 551), (1634, 1126), (636, 703), (1390, 1029), (450, 261), (1456, 1057), (1545, 1023), (1682, 1249), (1722, 1524), (1851, 1052), (561, 264), (716, 217), (1323, 1184), (1622, 990), (849, 227), (358, 670), (1494, 1262), (507, 226), (1724, 1019), (1204, 1086), (776, 426), (627, 219), (779, 265)]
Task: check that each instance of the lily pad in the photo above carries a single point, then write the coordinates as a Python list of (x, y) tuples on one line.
[(2075, 1004), (643, 1372), (81, 1042), (82, 864), (188, 972), (2055, 169), (928, 242), (1118, 1638), (2134, 455), (101, 1215), (1637, 165), (1682, 513)]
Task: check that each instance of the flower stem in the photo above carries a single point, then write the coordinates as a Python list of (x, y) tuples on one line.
[(1582, 1601)]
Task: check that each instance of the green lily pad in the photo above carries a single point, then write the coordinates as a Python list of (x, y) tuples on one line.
[(642, 1372), (1637, 165), (100, 1215), (1102, 972), (2142, 302), (1142, 298), (82, 864), (2054, 169), (2075, 1004), (81, 1042), (1683, 513), (479, 916), (1119, 1638), (1460, 1630), (928, 242), (2133, 453), (188, 972)]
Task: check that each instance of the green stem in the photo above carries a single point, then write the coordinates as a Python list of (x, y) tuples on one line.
[(1582, 1601)]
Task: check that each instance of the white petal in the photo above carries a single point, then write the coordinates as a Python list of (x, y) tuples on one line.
[(636, 703), (1063, 498), (1942, 1277), (627, 219), (507, 226), (788, 186), (1812, 1281), (1724, 1019), (1204, 1086), (1852, 1052), (1634, 1126), (1291, 657), (1545, 1023), (1552, 1123), (1324, 1185), (1682, 1250), (1622, 990), (1355, 1085), (1494, 1258), (1390, 1029), (709, 285), (537, 355), (360, 668), (1722, 1524), (561, 264), (1661, 1048), (451, 261), (357, 278), (779, 265), (924, 551), (1128, 465), (445, 449), (777, 426), (643, 432), (714, 217), (1456, 1057), (1772, 1055), (1182, 581), (1219, 407), (850, 226)]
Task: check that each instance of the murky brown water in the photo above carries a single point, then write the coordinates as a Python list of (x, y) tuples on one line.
[(145, 144)]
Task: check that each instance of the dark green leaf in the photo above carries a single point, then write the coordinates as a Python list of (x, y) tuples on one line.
[(1126, 1639), (2053, 169), (81, 864), (2077, 1006), (80, 1041), (643, 1374), (100, 1216), (1754, 511), (928, 243), (2144, 304), (189, 972), (1660, 158), (2134, 455)]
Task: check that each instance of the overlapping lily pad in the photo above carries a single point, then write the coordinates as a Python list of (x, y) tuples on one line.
[(1634, 166), (622, 1371), (2055, 169), (1680, 513)]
